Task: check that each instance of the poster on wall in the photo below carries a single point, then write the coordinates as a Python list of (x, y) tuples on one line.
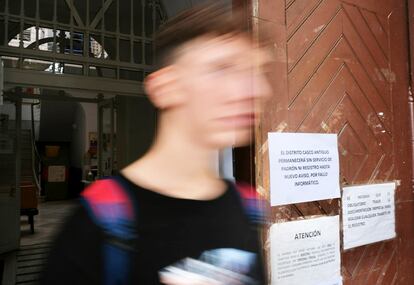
[(306, 252), (93, 144), (303, 167), (56, 173), (368, 214)]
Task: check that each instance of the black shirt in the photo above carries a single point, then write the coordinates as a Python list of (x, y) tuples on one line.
[(170, 229)]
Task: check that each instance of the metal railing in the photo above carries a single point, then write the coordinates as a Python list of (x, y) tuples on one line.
[(76, 38)]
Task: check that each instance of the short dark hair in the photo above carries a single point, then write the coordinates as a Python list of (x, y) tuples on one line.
[(211, 18)]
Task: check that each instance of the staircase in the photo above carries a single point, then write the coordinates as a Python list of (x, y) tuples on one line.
[(29, 190), (26, 159), (7, 160)]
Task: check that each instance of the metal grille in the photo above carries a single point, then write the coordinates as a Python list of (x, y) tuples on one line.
[(96, 38)]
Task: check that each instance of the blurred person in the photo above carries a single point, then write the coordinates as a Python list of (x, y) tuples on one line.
[(168, 217)]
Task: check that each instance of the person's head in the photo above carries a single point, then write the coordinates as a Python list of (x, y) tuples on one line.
[(208, 82)]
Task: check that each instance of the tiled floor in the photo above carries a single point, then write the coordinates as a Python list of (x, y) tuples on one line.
[(34, 248), (47, 223)]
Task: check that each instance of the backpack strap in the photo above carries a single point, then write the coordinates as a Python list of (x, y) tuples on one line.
[(254, 207), (111, 208)]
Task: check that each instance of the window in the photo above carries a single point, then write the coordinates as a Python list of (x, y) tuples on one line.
[(26, 35)]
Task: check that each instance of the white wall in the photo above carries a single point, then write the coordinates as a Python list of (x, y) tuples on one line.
[(91, 122), (9, 109), (84, 122), (226, 163)]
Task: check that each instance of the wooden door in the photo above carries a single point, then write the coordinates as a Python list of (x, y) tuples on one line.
[(341, 66)]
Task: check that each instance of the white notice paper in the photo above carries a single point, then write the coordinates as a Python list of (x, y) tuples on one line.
[(303, 167), (368, 214), (56, 173), (306, 252)]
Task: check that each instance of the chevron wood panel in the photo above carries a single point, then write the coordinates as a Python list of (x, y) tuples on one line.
[(337, 77), (339, 82)]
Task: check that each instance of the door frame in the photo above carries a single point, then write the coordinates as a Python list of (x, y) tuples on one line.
[(410, 16), (102, 104)]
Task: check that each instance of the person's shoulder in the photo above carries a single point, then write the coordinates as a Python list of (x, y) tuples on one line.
[(105, 190), (100, 186), (108, 203)]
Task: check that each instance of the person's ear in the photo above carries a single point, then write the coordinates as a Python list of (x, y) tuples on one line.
[(162, 88)]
